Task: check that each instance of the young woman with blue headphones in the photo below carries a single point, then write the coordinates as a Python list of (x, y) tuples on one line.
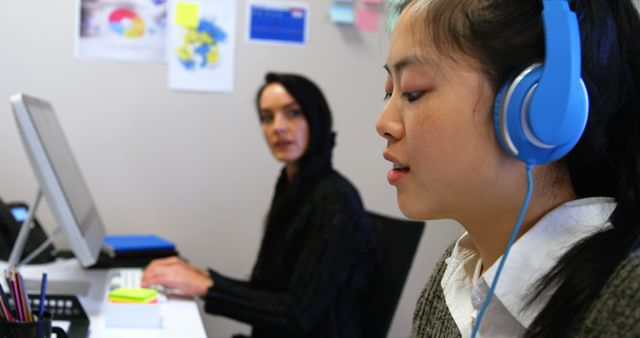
[(521, 121)]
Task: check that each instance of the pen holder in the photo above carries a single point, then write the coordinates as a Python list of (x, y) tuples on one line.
[(37, 329)]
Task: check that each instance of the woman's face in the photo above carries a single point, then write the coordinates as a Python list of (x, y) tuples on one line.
[(439, 132), (284, 126)]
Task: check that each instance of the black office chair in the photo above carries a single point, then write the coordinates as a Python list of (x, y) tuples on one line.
[(398, 241)]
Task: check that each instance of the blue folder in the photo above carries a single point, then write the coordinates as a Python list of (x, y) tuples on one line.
[(119, 244)]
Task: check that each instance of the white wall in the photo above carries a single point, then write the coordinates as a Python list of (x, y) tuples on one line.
[(193, 167)]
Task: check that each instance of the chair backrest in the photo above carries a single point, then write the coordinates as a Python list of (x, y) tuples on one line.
[(398, 241)]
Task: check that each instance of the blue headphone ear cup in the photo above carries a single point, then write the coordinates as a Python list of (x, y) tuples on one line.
[(498, 118), (510, 109), (511, 119)]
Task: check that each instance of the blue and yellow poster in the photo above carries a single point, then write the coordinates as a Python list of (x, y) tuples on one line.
[(201, 45)]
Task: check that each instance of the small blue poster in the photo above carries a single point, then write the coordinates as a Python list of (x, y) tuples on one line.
[(277, 22)]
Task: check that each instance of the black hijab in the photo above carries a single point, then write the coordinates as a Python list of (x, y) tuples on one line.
[(316, 161)]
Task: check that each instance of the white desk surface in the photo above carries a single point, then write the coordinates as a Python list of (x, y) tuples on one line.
[(179, 317)]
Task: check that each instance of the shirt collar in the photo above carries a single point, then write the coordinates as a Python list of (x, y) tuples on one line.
[(540, 248), (531, 256)]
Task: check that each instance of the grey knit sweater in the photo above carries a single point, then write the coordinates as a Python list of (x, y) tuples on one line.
[(615, 313)]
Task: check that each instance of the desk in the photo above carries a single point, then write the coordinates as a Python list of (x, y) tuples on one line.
[(180, 317)]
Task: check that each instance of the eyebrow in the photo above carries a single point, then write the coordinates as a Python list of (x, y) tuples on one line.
[(406, 61), (292, 104)]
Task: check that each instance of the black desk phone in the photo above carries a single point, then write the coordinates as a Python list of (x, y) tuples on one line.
[(11, 217)]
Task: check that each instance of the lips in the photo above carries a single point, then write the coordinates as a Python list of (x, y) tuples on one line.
[(282, 144), (398, 172), (398, 166)]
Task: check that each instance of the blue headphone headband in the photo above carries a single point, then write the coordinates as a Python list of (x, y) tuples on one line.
[(540, 114)]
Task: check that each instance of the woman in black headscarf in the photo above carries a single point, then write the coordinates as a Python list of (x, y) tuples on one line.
[(316, 256)]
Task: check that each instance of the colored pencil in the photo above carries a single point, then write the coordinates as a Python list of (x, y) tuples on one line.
[(25, 299), (43, 291), (4, 302), (16, 298)]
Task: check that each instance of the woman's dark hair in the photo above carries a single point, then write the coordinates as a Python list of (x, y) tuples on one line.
[(316, 161), (505, 36)]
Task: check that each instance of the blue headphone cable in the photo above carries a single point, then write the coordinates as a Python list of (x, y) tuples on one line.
[(512, 239)]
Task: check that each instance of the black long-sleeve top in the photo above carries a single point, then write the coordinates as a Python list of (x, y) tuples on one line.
[(310, 275)]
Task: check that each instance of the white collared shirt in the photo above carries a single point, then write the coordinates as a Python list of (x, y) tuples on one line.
[(531, 256)]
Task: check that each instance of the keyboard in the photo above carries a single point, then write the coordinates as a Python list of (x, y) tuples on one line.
[(125, 278), (132, 278)]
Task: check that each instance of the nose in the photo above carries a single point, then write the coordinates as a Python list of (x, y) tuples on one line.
[(279, 122), (389, 125)]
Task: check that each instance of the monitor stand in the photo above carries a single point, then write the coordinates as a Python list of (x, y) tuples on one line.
[(59, 287), (64, 276), (18, 246)]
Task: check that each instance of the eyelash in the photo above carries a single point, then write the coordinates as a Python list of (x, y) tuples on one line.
[(294, 113), (411, 96), (268, 118)]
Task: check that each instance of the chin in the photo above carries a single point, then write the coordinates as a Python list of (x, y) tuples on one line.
[(412, 209), (413, 215), (286, 159), (281, 157), (284, 156)]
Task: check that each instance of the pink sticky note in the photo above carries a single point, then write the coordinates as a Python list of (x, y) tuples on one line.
[(367, 19)]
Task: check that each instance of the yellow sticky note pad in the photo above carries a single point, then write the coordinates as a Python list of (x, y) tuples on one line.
[(133, 295), (187, 14)]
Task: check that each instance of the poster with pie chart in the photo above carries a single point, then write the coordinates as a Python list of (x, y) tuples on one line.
[(127, 30)]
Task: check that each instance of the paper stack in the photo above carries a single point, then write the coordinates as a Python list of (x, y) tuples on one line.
[(133, 307)]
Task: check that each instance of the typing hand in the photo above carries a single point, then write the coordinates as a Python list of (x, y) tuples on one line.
[(176, 275)]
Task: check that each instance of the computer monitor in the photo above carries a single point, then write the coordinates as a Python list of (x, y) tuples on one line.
[(59, 177)]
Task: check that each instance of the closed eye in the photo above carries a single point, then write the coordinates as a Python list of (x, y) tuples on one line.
[(387, 96), (412, 96)]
